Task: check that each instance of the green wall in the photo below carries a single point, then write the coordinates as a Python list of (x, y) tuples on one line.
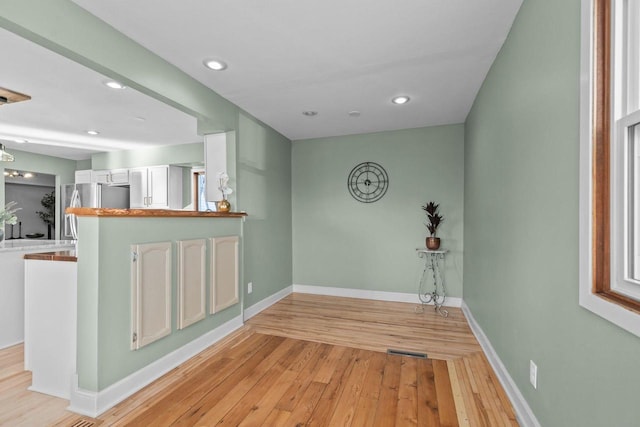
[(521, 229), (340, 242), (163, 155), (264, 191)]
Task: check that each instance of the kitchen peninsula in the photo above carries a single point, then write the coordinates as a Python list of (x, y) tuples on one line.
[(153, 286), (12, 253)]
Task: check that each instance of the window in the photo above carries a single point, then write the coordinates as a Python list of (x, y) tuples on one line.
[(610, 161)]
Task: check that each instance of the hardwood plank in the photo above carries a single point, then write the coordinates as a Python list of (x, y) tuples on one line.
[(174, 402), (330, 398), (468, 396), (345, 409), (407, 414), (314, 353), (446, 404), (215, 414), (388, 402), (365, 412), (427, 397), (266, 402), (306, 404), (205, 401), (456, 389)]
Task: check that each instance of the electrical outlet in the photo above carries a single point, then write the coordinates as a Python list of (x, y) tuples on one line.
[(250, 287), (533, 374)]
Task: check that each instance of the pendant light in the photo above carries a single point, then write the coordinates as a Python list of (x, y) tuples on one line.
[(4, 155)]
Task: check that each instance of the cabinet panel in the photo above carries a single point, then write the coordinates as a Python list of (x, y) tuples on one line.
[(101, 177), (151, 293), (83, 176), (191, 281), (224, 273), (138, 188), (158, 187)]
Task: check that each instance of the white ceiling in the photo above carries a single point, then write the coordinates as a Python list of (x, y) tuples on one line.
[(284, 57), (330, 56), (68, 99)]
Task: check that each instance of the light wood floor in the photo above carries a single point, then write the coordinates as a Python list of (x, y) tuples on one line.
[(307, 360)]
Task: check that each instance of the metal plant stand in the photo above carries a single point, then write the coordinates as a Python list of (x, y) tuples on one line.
[(433, 261)]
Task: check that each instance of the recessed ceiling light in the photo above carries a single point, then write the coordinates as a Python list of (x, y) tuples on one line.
[(93, 132), (310, 113), (399, 100), (215, 64), (354, 113), (114, 84), (20, 141), (6, 173)]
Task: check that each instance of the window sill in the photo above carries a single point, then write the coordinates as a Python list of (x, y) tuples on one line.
[(609, 308)]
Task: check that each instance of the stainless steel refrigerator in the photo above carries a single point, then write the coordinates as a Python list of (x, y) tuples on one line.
[(89, 196)]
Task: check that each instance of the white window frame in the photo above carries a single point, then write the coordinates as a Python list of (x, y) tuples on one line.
[(615, 313)]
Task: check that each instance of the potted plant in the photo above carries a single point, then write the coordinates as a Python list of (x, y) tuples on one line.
[(8, 215), (224, 205), (435, 219), (48, 202)]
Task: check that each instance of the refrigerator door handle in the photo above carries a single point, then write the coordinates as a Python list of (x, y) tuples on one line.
[(67, 225)]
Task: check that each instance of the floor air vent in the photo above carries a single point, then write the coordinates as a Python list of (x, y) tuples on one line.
[(406, 353), (85, 423)]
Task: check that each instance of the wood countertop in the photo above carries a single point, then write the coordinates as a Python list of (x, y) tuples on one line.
[(156, 213), (53, 256)]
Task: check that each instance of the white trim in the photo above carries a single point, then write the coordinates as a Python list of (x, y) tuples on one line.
[(369, 294), (93, 404), (614, 313), (256, 308), (524, 414)]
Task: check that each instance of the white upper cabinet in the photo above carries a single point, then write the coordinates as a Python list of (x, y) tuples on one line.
[(114, 176), (156, 187), (83, 176)]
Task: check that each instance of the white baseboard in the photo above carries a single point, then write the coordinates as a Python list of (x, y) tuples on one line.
[(256, 308), (93, 404), (369, 294), (524, 413)]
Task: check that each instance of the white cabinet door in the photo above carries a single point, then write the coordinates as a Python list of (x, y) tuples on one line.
[(158, 187), (138, 188), (83, 177), (224, 272), (192, 273), (101, 177), (150, 293), (119, 176)]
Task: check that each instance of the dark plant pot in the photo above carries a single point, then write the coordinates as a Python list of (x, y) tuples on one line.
[(433, 243)]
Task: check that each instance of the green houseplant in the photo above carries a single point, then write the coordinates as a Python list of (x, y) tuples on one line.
[(435, 219), (48, 216)]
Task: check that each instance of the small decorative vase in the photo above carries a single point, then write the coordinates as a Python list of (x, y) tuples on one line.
[(223, 206), (433, 243)]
